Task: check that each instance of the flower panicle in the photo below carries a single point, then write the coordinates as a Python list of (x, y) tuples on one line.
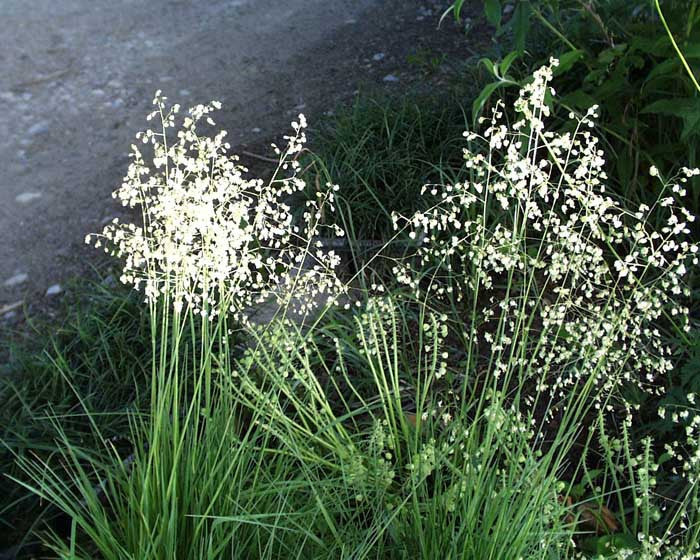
[(212, 238)]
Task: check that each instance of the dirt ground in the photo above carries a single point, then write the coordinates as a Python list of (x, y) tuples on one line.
[(78, 77)]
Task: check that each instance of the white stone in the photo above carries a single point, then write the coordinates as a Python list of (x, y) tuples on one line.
[(379, 56), (53, 290), (26, 197), (391, 78)]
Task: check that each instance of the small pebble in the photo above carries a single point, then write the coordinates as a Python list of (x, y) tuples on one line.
[(38, 128), (53, 290), (391, 78), (379, 56), (15, 280), (26, 197)]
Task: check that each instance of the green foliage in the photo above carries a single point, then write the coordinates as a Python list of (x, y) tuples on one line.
[(382, 151), (616, 54), (427, 60), (58, 380)]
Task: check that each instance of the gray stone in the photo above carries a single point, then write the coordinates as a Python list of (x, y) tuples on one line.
[(38, 128)]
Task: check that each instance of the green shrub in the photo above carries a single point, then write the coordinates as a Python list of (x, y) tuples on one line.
[(615, 54)]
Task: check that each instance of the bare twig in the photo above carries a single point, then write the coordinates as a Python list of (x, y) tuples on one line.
[(258, 156), (42, 79)]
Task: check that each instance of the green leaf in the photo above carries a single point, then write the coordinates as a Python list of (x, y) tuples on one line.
[(567, 60), (691, 50), (483, 97), (499, 69), (687, 109), (578, 99), (668, 66), (648, 45), (492, 9), (610, 90), (691, 126), (521, 24), (457, 7), (657, 47), (491, 66), (607, 56), (506, 63)]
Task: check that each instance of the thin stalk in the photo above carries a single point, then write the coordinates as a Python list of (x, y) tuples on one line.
[(675, 46)]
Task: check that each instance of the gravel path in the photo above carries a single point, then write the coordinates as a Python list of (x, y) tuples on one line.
[(78, 77)]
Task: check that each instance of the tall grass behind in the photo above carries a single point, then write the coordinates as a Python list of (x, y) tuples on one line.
[(382, 150)]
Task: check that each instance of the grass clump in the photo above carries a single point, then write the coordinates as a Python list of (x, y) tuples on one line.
[(93, 366), (477, 402)]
